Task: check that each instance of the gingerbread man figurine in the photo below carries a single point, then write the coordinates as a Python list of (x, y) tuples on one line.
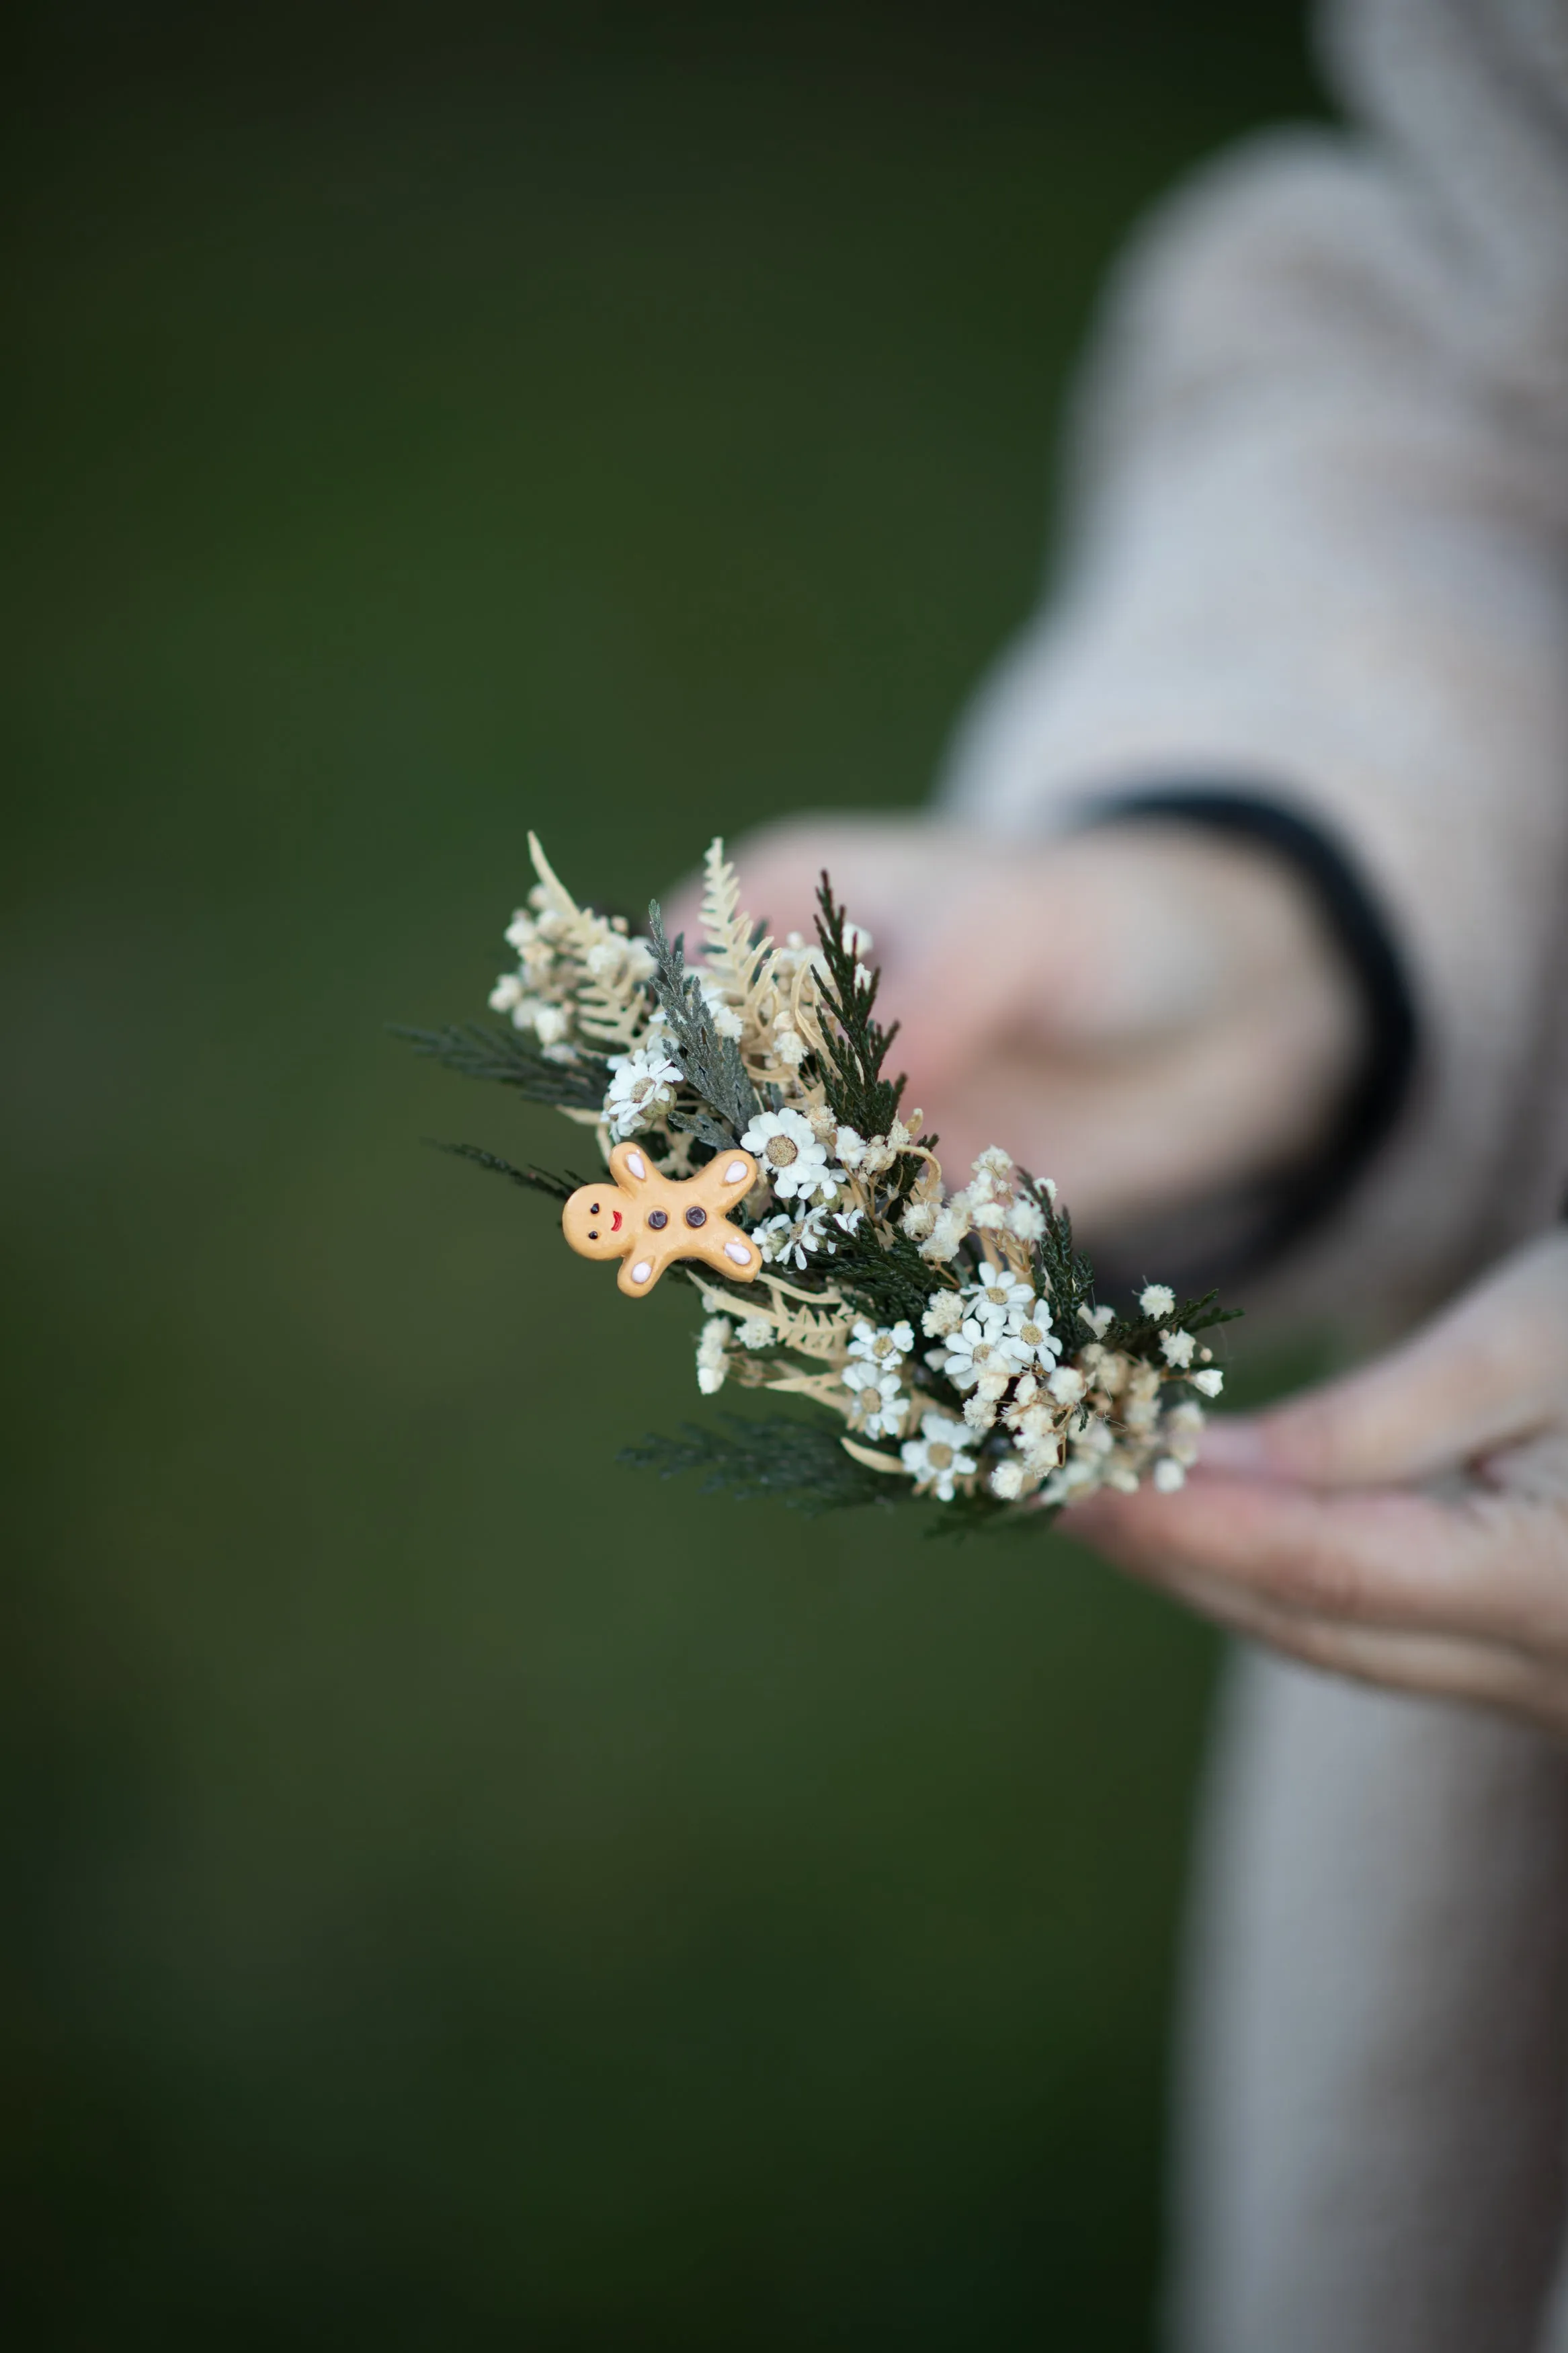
[(648, 1220)]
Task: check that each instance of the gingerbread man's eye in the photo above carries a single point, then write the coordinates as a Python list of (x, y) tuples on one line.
[(593, 1209)]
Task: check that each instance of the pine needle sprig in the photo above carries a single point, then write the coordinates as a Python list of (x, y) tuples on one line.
[(511, 1058), (855, 1044), (713, 1064), (789, 1462), (536, 1180)]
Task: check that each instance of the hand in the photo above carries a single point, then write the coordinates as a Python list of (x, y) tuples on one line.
[(1143, 1012), (1407, 1526)]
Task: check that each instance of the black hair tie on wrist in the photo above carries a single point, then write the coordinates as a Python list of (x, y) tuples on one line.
[(1301, 1198)]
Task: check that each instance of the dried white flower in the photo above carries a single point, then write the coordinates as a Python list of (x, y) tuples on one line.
[(980, 1348), (1211, 1382), (756, 1331), (1176, 1348), (1065, 1385), (995, 1293), (644, 1082), (953, 1221), (1098, 1319), (710, 1361), (944, 1314), (789, 1045), (881, 1406), (1007, 1479), (918, 1219), (1029, 1326), (1168, 1475), (792, 1160), (937, 1457), (786, 1240), (889, 1344), (1026, 1219), (1156, 1298)]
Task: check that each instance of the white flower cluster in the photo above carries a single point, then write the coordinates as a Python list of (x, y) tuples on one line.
[(580, 978)]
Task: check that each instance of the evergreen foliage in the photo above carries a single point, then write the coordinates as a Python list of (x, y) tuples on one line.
[(856, 1045), (797, 1463), (535, 1180), (889, 1280), (1066, 1276), (512, 1057), (713, 1064), (1139, 1335)]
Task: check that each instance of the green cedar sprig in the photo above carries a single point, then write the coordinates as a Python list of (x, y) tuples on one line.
[(1139, 1335), (535, 1180), (713, 1064), (889, 1280), (793, 1462), (512, 1057), (856, 1043), (1063, 1273)]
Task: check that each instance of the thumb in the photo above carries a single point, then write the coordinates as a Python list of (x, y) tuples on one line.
[(1488, 1372)]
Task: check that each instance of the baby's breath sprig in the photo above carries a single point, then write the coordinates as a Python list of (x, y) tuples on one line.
[(954, 1336)]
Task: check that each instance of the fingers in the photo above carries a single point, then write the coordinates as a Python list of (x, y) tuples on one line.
[(1490, 1372), (1488, 1567), (1441, 1665)]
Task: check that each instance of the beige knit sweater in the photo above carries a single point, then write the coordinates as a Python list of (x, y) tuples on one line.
[(1320, 545)]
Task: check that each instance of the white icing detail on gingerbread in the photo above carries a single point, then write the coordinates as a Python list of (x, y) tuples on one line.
[(735, 1171), (642, 1270), (638, 1166), (738, 1252)]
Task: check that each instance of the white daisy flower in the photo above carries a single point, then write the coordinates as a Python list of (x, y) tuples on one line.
[(882, 1406), (980, 1348), (884, 1347), (995, 1293), (1176, 1348), (792, 1161), (937, 1457), (786, 1240), (1156, 1298), (1031, 1327), (645, 1081)]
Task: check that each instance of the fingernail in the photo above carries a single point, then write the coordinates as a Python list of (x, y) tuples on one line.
[(1233, 1444)]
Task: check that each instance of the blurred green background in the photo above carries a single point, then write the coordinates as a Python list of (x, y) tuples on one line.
[(462, 1894)]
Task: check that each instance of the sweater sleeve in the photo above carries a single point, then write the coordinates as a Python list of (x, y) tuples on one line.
[(1318, 552)]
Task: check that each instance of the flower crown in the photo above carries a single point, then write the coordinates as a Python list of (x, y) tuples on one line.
[(955, 1337)]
